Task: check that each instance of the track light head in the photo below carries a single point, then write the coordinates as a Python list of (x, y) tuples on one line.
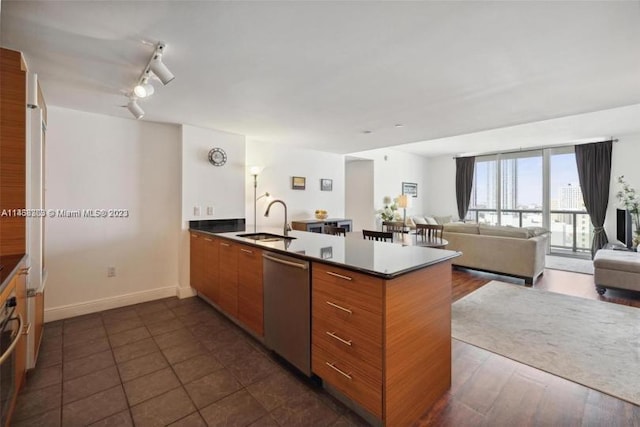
[(144, 89), (160, 70), (135, 109)]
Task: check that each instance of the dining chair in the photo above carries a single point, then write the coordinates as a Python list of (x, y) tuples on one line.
[(393, 226), (335, 231), (431, 232), (380, 236)]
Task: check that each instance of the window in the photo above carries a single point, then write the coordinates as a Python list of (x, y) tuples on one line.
[(533, 188)]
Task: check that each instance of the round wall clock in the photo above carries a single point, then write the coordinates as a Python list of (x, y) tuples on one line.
[(217, 156)]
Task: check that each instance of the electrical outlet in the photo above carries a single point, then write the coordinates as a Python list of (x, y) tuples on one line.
[(196, 210), (209, 210), (111, 272)]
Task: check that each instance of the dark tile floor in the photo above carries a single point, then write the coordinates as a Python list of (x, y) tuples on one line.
[(167, 362)]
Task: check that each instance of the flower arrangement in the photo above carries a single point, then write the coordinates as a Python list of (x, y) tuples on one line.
[(390, 210), (630, 200)]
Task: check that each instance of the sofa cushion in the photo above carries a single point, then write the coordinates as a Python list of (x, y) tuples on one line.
[(503, 231), (443, 219), (461, 227), (617, 260), (536, 231)]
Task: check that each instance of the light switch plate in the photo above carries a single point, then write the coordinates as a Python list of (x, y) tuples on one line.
[(196, 210), (209, 210)]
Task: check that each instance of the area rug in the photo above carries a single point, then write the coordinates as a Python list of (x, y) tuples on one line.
[(593, 343), (576, 265)]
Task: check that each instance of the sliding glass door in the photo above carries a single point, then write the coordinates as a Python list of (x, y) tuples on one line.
[(533, 188)]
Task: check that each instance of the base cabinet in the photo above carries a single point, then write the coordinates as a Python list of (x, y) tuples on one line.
[(385, 344), (250, 294), (229, 274)]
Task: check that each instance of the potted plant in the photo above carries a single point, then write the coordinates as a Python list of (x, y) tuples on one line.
[(630, 200), (390, 210)]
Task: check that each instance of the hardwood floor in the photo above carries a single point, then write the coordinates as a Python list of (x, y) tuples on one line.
[(491, 390)]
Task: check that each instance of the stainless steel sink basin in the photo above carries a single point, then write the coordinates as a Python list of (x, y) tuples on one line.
[(265, 237)]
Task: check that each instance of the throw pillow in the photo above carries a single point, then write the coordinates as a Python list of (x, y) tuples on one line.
[(419, 220), (443, 219), (430, 220)]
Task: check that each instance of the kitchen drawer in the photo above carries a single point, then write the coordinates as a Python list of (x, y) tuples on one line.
[(350, 318), (353, 288), (348, 345), (353, 382)]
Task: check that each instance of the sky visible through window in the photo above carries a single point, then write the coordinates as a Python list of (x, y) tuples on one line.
[(564, 172)]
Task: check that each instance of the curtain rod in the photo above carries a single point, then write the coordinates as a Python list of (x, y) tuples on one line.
[(540, 147)]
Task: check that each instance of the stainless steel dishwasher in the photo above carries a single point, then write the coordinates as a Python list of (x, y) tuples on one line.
[(287, 308)]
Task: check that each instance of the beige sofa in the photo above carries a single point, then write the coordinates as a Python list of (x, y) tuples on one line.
[(513, 251)]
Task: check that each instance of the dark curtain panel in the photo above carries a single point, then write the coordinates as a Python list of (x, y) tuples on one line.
[(594, 170), (464, 183)]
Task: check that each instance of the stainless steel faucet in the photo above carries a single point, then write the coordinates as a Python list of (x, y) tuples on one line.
[(287, 229)]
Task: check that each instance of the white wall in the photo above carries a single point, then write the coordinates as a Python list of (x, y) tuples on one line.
[(441, 200), (624, 161), (101, 162), (392, 168), (206, 185), (281, 162), (359, 197)]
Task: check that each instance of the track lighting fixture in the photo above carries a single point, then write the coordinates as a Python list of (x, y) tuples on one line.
[(135, 109), (144, 88)]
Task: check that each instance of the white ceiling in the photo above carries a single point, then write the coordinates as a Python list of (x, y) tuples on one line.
[(316, 74)]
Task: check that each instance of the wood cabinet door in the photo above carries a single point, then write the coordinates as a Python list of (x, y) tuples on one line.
[(211, 286), (228, 276), (250, 293), (197, 262)]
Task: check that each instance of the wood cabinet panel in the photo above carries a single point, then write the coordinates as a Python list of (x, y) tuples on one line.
[(13, 134), (211, 261), (250, 290), (352, 288), (228, 273), (197, 261), (353, 382)]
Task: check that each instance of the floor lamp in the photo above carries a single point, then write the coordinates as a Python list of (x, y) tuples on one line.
[(403, 202), (255, 171)]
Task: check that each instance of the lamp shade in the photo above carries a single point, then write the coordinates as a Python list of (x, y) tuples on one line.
[(403, 201), (255, 170)]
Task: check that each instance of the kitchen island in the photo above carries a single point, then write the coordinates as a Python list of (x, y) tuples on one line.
[(380, 313)]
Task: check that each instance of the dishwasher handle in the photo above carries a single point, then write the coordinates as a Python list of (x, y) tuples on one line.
[(289, 263)]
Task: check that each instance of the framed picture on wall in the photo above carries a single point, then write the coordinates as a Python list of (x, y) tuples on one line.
[(298, 182), (410, 189), (326, 184)]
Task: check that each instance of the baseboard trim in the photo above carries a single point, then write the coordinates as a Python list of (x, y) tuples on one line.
[(87, 307), (186, 292)]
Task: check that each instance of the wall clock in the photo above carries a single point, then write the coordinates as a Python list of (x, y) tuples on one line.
[(217, 156)]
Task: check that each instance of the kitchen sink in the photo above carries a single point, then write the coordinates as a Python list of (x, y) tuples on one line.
[(265, 237)]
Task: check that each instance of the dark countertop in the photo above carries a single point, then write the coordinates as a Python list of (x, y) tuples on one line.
[(9, 265), (381, 259)]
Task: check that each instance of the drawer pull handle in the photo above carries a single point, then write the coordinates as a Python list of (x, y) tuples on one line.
[(27, 329), (224, 244), (246, 250), (342, 340), (340, 371), (339, 307), (207, 239), (340, 276)]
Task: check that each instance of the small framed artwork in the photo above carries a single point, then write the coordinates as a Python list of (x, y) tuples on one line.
[(410, 189), (326, 253), (326, 184), (298, 182)]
